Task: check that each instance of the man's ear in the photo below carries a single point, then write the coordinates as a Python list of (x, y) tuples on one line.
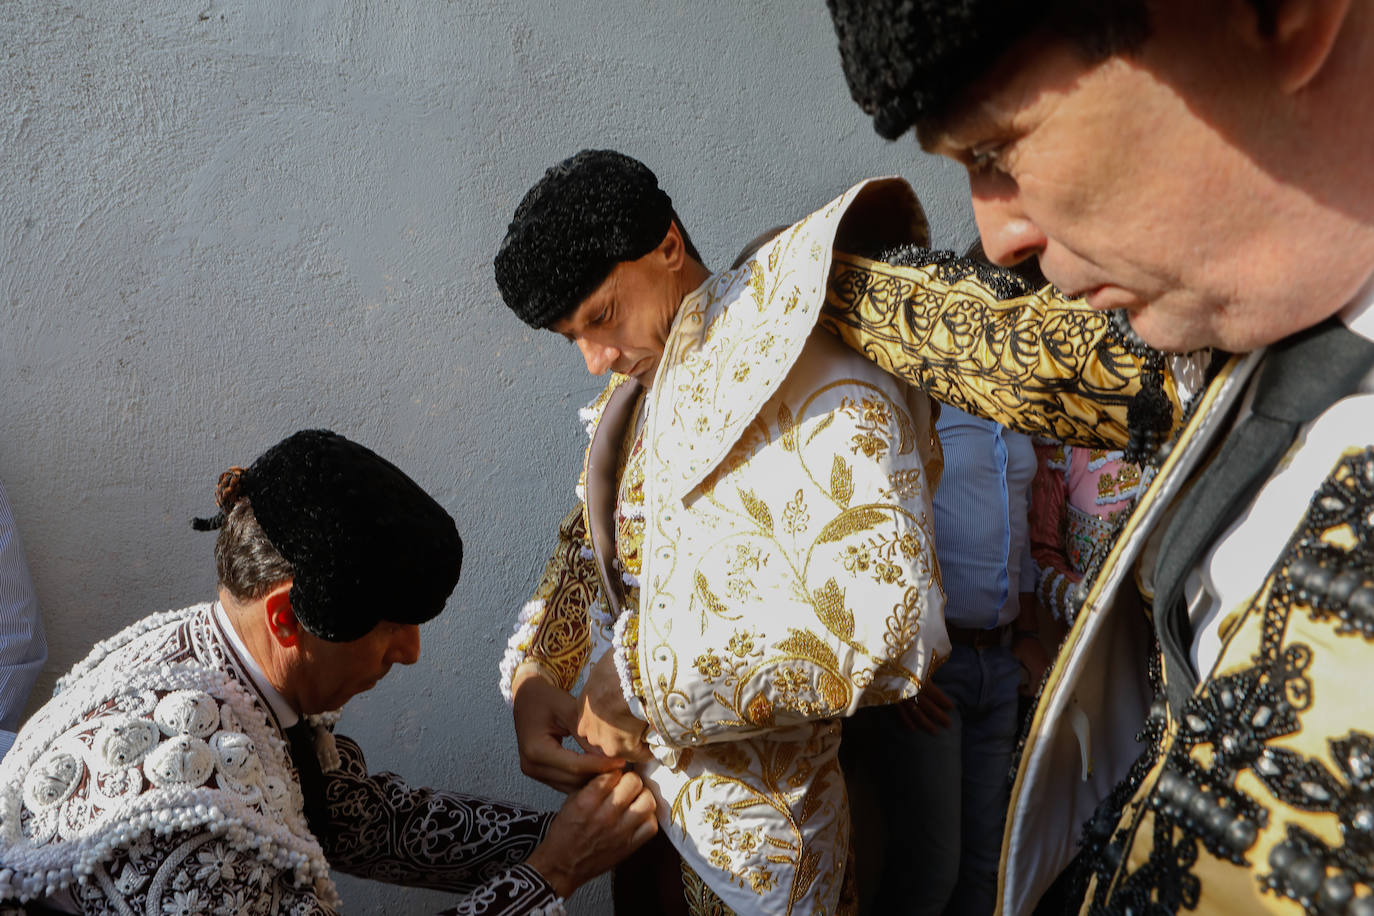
[(281, 618), (672, 248), (1304, 34)]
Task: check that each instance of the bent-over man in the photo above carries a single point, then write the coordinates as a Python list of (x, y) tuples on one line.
[(188, 764)]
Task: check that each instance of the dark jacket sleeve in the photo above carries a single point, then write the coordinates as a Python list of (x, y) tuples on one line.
[(385, 830)]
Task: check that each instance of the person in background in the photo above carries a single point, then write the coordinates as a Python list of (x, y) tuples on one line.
[(1078, 501), (942, 810), (23, 646)]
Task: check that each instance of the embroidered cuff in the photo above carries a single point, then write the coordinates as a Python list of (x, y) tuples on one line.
[(1058, 594), (625, 651), (518, 646), (518, 889), (547, 904)]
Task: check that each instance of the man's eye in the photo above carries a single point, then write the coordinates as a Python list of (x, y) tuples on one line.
[(985, 156)]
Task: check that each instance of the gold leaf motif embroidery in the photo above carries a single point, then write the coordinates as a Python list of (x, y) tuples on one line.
[(851, 521), (789, 433), (758, 509), (701, 900), (795, 518), (707, 597), (778, 760), (841, 482), (807, 870), (756, 285), (812, 802), (820, 427), (738, 582), (834, 691), (828, 601), (807, 645), (760, 710), (906, 483)]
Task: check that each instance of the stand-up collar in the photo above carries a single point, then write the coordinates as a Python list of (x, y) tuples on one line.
[(286, 716)]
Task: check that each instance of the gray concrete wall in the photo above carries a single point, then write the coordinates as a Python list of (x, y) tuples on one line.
[(224, 220)]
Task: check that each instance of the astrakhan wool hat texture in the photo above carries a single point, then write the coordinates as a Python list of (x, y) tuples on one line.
[(587, 214), (366, 542)]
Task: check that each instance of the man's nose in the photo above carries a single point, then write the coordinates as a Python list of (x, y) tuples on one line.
[(1009, 234), (599, 357), (405, 646)]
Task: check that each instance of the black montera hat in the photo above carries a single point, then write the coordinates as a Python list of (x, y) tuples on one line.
[(365, 542), (587, 214), (910, 60)]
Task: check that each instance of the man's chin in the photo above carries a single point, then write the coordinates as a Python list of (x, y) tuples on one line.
[(1141, 332), (1122, 324)]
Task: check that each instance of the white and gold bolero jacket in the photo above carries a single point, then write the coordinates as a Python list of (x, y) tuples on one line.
[(786, 575)]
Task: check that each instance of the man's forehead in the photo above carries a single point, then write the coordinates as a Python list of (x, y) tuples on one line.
[(1005, 98), (587, 309)]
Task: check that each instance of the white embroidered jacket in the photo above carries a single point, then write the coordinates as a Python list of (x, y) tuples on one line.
[(787, 576), (157, 780)]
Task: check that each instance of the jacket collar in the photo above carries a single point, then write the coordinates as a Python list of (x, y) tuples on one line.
[(738, 335)]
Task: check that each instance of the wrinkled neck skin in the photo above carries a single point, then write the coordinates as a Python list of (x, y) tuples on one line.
[(250, 623)]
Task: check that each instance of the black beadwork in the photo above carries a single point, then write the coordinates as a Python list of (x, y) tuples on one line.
[(1237, 718)]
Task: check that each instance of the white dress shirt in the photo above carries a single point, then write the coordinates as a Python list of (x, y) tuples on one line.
[(1226, 580)]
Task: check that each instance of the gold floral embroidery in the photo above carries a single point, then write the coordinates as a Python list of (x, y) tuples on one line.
[(795, 517), (738, 583), (856, 558), (741, 644), (764, 506), (873, 418), (740, 653), (905, 484), (562, 641)]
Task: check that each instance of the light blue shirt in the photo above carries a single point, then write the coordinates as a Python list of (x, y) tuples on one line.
[(982, 535), (23, 649)]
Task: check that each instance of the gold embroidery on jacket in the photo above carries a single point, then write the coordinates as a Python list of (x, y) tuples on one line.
[(1041, 364)]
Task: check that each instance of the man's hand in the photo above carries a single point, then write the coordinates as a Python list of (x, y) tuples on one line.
[(604, 720), (605, 821), (545, 714), (928, 710)]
